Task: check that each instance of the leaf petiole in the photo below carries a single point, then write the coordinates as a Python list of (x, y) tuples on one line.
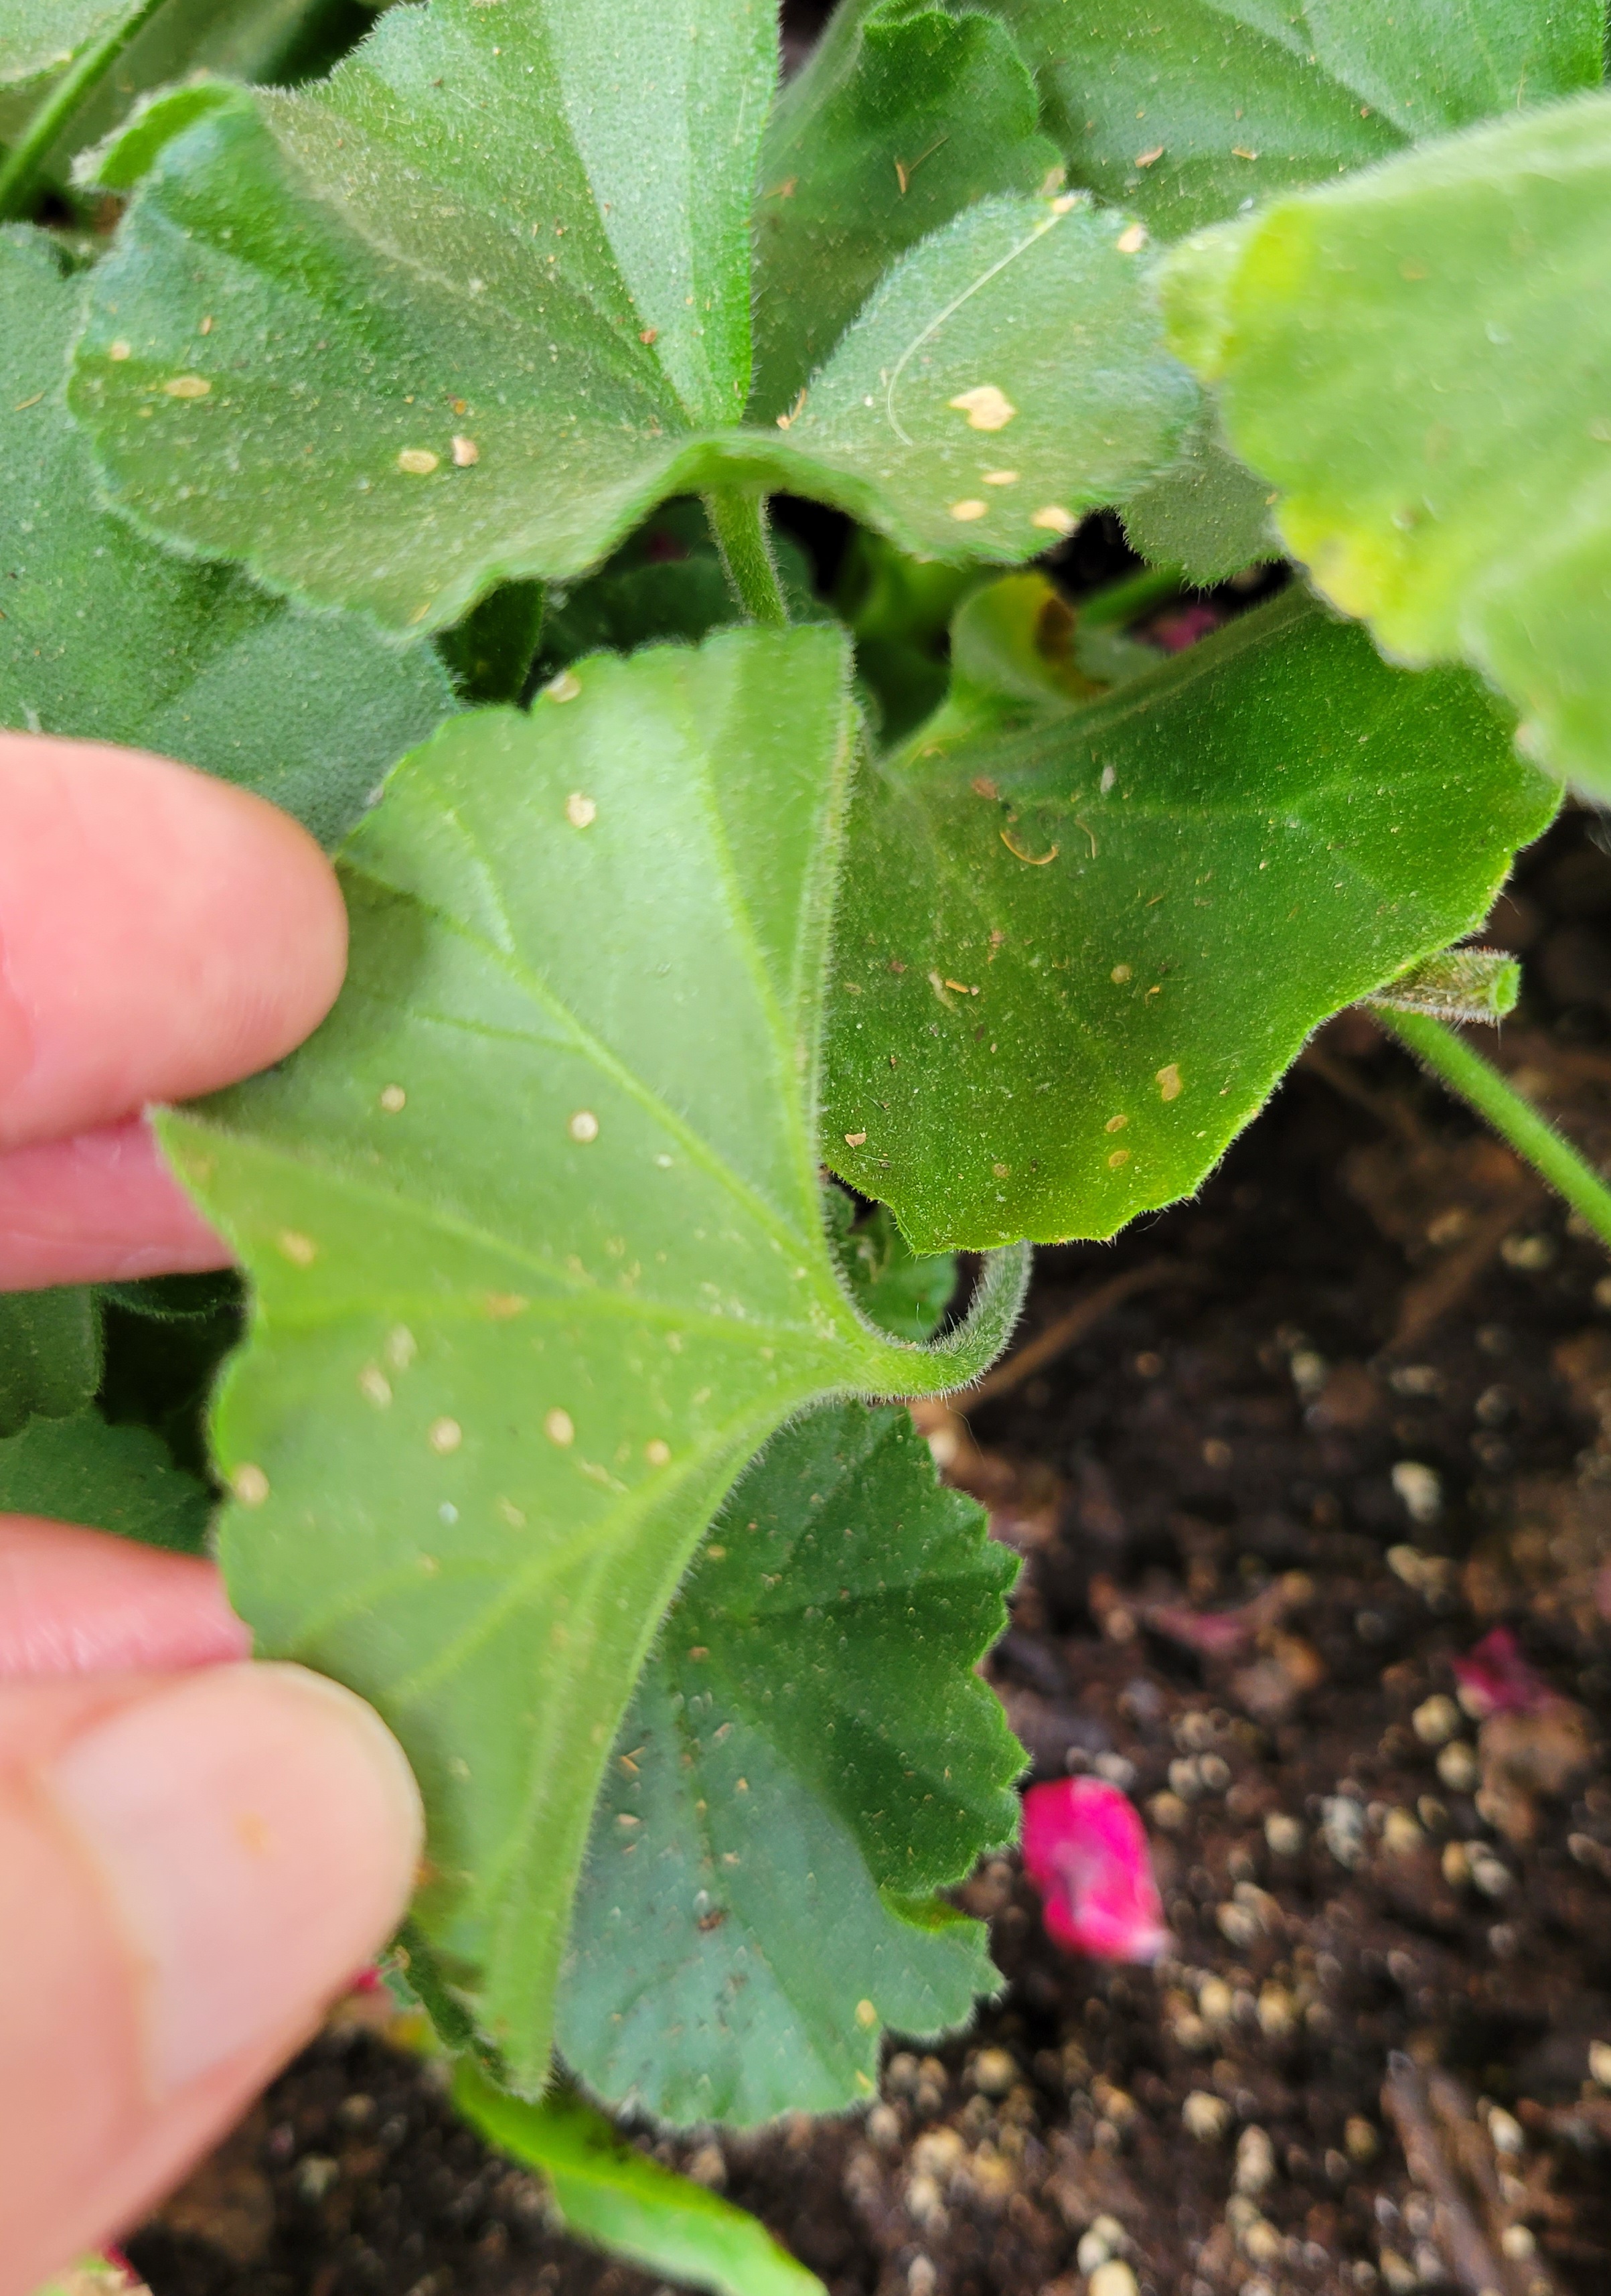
[(20, 171), (743, 535), (1453, 1062)]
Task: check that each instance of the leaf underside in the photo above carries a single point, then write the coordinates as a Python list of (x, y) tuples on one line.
[(808, 1757), (535, 1229), (465, 312), (1069, 967), (1377, 352), (107, 637)]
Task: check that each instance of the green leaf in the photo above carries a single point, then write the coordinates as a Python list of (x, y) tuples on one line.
[(894, 126), (607, 2192), (1070, 966), (1381, 353), (492, 650), (40, 37), (535, 1228), (109, 637), (118, 1479), (903, 1292), (481, 300), (1209, 515), (177, 1298), (810, 1755), (273, 40), (1190, 109), (50, 1354)]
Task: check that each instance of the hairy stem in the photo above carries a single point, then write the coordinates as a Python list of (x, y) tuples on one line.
[(20, 173), (1454, 1063), (743, 535)]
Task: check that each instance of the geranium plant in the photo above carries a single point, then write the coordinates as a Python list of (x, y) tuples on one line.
[(399, 442)]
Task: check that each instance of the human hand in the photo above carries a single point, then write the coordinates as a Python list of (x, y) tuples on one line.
[(194, 1852)]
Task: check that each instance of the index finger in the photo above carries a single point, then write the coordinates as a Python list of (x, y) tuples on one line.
[(161, 934)]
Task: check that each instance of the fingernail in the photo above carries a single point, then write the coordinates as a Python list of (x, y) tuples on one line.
[(257, 1829)]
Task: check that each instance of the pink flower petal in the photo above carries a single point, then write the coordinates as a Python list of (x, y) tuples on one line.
[(1085, 1850), (1174, 632), (1495, 1678)]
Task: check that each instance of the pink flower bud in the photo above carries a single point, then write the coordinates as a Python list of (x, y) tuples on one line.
[(1495, 1678), (1085, 1850)]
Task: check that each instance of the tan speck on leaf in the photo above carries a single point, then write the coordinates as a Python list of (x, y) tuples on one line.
[(969, 508), (444, 1435), (188, 386), (580, 811), (465, 451), (418, 461), (987, 406), (375, 1386)]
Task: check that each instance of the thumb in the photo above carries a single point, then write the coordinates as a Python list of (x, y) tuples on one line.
[(190, 1866)]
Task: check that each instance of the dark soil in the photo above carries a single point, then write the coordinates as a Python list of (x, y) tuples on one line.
[(1369, 2062)]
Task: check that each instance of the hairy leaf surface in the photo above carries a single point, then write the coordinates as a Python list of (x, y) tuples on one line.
[(1419, 360), (50, 1354), (535, 1226), (606, 2190), (1209, 515), (1069, 967), (39, 37), (1189, 109), (468, 310), (902, 117), (810, 1755), (120, 1479), (107, 637)]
